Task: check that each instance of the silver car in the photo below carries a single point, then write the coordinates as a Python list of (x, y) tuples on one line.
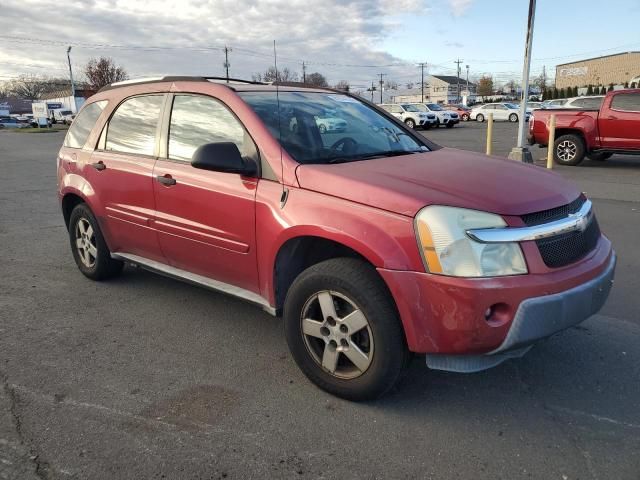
[(501, 111)]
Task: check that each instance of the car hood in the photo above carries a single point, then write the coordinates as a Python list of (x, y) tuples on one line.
[(447, 176)]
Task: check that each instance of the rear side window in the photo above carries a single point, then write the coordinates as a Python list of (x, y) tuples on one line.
[(132, 128), (197, 120), (83, 124), (626, 101)]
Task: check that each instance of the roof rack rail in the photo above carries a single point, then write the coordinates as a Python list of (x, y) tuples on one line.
[(175, 78)]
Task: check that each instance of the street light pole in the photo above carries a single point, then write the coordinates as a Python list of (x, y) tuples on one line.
[(73, 87), (520, 152), (468, 93)]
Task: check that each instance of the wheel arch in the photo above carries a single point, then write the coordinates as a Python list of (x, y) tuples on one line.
[(300, 252)]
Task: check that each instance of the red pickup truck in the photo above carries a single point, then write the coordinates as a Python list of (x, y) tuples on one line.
[(596, 134)]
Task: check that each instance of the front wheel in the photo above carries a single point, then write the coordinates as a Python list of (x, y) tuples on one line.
[(568, 150), (513, 118), (465, 117), (343, 329), (410, 123), (450, 125), (479, 118)]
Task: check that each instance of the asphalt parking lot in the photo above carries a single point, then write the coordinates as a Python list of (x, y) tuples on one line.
[(147, 377)]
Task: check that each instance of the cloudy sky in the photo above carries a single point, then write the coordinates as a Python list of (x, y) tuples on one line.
[(344, 39)]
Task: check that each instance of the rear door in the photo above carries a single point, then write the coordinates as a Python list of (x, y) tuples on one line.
[(619, 124), (206, 220), (121, 172), (500, 112)]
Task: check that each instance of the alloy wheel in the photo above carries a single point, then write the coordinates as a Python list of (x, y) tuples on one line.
[(566, 151), (337, 334), (86, 243)]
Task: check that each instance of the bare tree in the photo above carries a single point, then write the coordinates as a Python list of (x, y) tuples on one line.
[(409, 85), (102, 72), (317, 79), (32, 87), (283, 75), (391, 85), (342, 85)]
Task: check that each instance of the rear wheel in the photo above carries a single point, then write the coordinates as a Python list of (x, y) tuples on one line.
[(600, 157), (409, 122), (513, 118), (480, 118), (343, 329), (89, 249), (568, 150)]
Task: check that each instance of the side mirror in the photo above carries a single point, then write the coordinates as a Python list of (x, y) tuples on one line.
[(221, 157)]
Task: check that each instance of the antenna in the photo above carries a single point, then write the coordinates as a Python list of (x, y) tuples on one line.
[(285, 191)]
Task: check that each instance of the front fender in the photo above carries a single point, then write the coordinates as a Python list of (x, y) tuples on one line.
[(385, 239)]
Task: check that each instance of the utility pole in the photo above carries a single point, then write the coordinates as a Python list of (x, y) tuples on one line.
[(226, 61), (458, 62), (372, 89), (381, 84), (468, 92), (520, 152), (73, 87), (422, 65), (304, 72)]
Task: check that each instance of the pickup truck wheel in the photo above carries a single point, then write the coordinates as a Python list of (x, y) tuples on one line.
[(479, 118), (600, 157), (568, 150), (513, 118), (90, 251), (410, 123), (343, 329)]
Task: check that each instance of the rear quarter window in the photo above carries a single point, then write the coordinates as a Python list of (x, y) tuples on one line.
[(83, 124)]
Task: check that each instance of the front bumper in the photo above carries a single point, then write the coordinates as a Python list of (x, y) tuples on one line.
[(444, 315), (537, 318)]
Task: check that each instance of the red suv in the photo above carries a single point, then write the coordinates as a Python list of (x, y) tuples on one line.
[(372, 243)]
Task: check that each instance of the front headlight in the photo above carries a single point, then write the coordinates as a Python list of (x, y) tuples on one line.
[(448, 250)]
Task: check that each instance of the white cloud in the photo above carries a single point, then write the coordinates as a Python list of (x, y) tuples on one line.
[(459, 7), (322, 33)]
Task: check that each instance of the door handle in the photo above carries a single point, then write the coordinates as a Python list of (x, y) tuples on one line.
[(99, 165), (166, 179)]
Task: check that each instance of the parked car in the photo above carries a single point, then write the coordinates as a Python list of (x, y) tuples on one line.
[(410, 115), (554, 103), (462, 111), (501, 111), (592, 102), (445, 117), (62, 116), (595, 134), (371, 246), (9, 122), (330, 124), (531, 106)]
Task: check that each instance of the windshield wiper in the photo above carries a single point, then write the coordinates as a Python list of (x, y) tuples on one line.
[(384, 153)]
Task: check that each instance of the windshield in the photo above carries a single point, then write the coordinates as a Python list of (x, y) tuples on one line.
[(359, 132), (434, 106), (410, 108), (420, 107), (65, 112)]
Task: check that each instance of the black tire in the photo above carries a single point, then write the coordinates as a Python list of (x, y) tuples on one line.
[(103, 266), (599, 157), (358, 282), (450, 125), (465, 117), (568, 150), (409, 122), (480, 118), (427, 126), (513, 118)]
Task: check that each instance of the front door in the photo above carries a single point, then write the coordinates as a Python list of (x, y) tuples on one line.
[(121, 172), (206, 220), (619, 127)]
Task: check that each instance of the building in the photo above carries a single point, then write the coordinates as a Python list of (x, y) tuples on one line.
[(616, 69), (64, 98), (444, 89)]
